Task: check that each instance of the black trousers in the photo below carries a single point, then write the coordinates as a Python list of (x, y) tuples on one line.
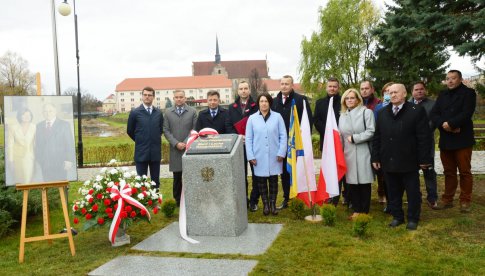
[(268, 192), (142, 169), (285, 181), (177, 186), (397, 183), (254, 197), (360, 197)]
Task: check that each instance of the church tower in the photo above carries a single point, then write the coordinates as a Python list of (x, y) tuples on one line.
[(218, 56), (218, 69)]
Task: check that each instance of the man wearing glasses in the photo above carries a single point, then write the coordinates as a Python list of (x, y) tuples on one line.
[(145, 127)]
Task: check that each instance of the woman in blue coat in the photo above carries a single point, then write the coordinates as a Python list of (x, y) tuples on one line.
[(266, 148)]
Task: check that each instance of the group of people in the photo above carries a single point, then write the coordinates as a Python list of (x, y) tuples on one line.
[(39, 152), (392, 139)]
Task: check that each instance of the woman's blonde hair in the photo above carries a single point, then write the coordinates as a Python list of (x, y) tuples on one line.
[(343, 107)]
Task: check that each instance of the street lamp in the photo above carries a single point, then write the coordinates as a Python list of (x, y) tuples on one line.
[(64, 9)]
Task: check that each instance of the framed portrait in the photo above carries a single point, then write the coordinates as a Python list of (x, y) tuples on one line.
[(39, 139)]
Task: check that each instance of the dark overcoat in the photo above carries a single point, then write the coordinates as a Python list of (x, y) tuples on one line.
[(146, 130)]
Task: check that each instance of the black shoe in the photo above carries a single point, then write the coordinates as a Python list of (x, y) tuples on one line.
[(412, 225), (265, 209), (272, 208), (386, 210), (396, 223), (283, 205), (253, 207)]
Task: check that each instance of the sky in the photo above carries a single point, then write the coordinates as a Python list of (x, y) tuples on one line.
[(149, 38)]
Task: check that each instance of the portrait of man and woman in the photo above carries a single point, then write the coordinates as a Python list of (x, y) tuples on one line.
[(39, 139)]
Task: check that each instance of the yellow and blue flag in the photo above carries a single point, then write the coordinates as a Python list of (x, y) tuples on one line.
[(295, 149)]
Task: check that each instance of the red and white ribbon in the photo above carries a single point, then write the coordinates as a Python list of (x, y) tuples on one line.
[(123, 196), (203, 132)]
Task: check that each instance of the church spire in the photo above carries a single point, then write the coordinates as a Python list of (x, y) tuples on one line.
[(218, 56)]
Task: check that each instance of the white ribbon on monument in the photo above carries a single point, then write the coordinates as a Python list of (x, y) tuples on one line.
[(182, 212)]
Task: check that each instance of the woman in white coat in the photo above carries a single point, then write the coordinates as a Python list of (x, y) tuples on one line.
[(266, 148), (357, 126)]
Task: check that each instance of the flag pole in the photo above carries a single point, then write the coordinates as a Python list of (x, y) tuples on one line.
[(314, 217)]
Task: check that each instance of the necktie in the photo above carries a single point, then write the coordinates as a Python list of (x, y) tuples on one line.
[(149, 110), (243, 106), (416, 102), (396, 110), (213, 113), (284, 99), (179, 110)]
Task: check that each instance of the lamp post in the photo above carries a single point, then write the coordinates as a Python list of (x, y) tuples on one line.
[(56, 57), (65, 10)]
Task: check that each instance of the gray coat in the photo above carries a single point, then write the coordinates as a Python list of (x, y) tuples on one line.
[(176, 129), (357, 154)]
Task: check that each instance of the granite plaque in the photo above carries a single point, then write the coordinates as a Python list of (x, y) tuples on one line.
[(213, 144)]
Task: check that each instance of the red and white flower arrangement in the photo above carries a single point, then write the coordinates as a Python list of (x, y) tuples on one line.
[(116, 196)]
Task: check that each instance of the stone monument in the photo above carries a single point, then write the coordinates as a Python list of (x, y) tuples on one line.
[(214, 186)]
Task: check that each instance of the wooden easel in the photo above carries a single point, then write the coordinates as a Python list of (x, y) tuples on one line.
[(45, 215)]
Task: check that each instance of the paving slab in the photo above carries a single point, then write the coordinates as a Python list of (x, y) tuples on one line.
[(254, 241), (146, 265)]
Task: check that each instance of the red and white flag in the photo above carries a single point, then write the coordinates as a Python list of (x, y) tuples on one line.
[(332, 166)]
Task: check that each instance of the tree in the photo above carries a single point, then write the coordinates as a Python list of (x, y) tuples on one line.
[(459, 24), (256, 84), (341, 47), (15, 77), (88, 102), (168, 103), (405, 53)]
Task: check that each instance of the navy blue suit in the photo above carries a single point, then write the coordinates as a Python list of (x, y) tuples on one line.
[(220, 122), (146, 130)]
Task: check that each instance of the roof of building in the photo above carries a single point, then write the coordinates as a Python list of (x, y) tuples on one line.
[(166, 83), (235, 68), (274, 85)]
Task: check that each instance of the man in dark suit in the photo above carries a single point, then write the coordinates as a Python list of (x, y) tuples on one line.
[(54, 146), (215, 116), (242, 107), (419, 97), (320, 119), (282, 105), (145, 127), (452, 115), (401, 147)]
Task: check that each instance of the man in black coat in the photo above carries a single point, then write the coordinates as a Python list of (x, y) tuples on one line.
[(452, 115), (214, 116), (320, 119), (401, 147), (419, 97), (243, 107), (282, 105), (145, 128)]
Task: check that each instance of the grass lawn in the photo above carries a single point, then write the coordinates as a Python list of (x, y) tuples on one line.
[(446, 242)]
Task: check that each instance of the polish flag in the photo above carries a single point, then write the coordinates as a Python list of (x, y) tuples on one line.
[(332, 166)]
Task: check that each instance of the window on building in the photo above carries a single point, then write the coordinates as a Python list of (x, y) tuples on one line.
[(200, 90), (132, 99), (158, 92), (131, 94), (122, 94), (122, 109), (200, 97), (122, 100), (227, 96), (219, 71), (190, 90), (227, 89), (158, 98)]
